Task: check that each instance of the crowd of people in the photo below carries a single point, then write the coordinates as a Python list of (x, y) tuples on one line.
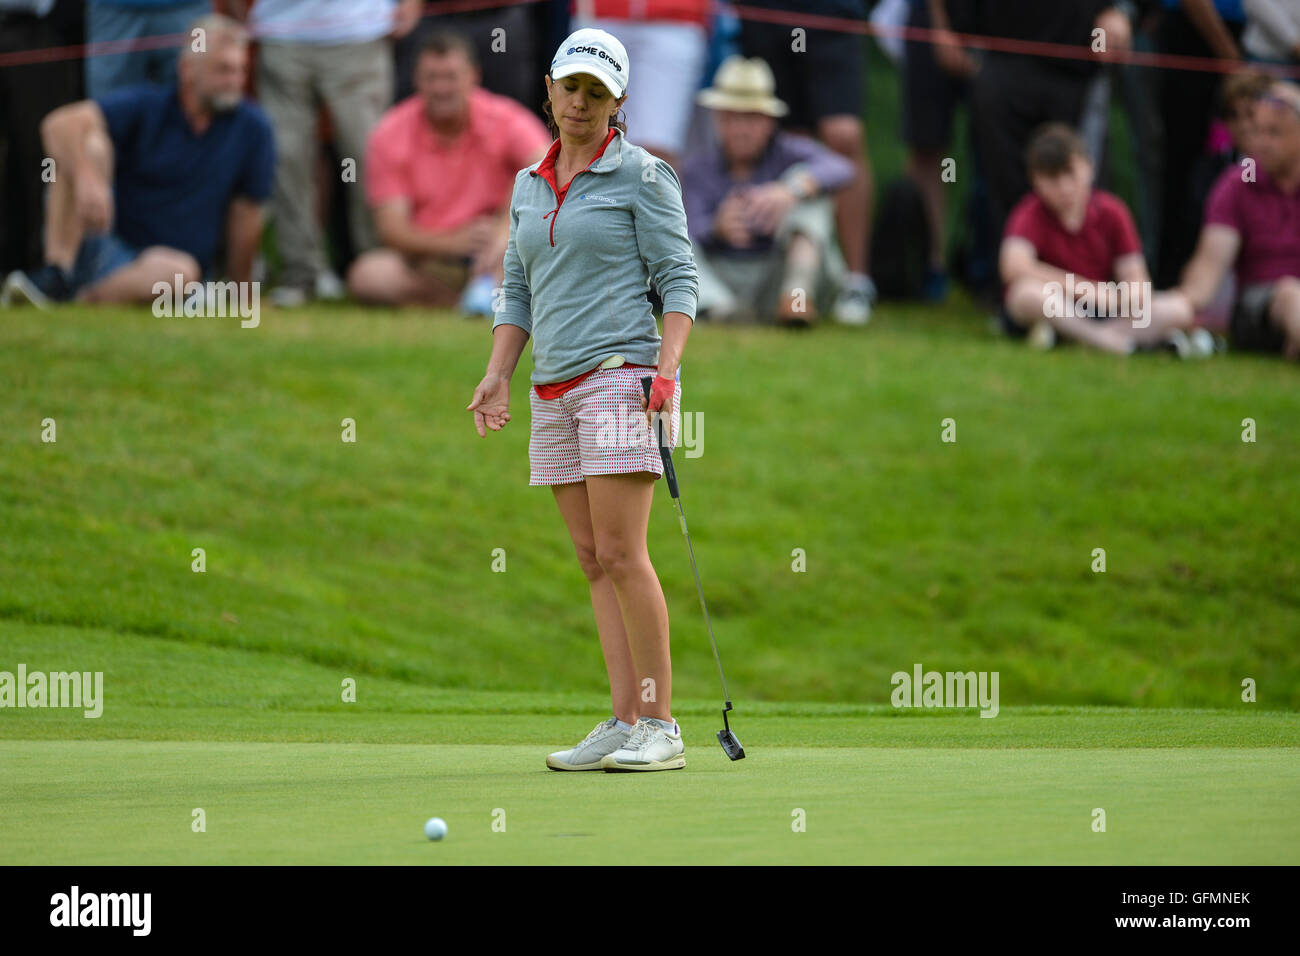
[(368, 148)]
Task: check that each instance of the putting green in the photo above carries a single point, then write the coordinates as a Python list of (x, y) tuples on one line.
[(899, 797)]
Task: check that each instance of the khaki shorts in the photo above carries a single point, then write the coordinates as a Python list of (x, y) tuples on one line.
[(453, 273), (753, 282)]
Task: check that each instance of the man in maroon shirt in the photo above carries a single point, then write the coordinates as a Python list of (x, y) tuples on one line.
[(1252, 220), (1072, 263)]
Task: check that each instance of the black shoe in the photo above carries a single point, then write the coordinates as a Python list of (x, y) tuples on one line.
[(43, 288)]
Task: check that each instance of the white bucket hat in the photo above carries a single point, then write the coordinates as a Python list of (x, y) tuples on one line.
[(595, 52), (743, 85)]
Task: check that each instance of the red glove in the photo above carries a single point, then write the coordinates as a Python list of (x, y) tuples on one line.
[(661, 390)]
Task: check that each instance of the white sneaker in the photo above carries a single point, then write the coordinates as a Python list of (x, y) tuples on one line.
[(607, 737), (1178, 342), (853, 305), (329, 287), (1202, 343), (287, 297), (650, 747)]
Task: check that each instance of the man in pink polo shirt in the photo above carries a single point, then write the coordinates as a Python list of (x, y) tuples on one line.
[(1252, 220), (440, 167)]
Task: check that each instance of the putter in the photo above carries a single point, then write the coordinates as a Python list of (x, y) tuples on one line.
[(730, 745)]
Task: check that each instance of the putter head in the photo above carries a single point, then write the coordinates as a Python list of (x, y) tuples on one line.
[(730, 745)]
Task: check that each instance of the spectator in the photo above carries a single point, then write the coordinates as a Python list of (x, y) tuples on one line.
[(673, 36), (28, 91), (1073, 265), (1232, 136), (1200, 28), (1136, 88), (1272, 32), (757, 209), (822, 79), (1252, 222), (150, 179), (130, 21), (1014, 93), (936, 77), (440, 167), (510, 37), (337, 52)]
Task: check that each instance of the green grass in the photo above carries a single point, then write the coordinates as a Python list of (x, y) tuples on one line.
[(372, 561), (376, 557), (285, 772)]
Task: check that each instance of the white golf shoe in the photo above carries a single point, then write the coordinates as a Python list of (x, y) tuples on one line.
[(607, 737), (650, 747)]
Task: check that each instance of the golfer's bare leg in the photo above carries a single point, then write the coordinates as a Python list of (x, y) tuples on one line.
[(620, 513), (576, 511)]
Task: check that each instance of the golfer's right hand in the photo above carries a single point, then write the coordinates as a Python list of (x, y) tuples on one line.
[(491, 404)]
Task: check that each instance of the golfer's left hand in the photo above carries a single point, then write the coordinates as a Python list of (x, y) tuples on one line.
[(661, 399)]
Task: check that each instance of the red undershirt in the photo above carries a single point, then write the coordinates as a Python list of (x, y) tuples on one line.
[(546, 169)]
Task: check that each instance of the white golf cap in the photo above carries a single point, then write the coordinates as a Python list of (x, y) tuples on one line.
[(595, 52)]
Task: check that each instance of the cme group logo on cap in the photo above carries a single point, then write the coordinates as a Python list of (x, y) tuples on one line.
[(595, 51)]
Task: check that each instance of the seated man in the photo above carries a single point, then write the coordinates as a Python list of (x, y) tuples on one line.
[(1252, 220), (440, 167), (150, 181), (1072, 264), (761, 224)]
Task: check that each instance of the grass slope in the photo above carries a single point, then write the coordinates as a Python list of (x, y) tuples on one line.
[(375, 558)]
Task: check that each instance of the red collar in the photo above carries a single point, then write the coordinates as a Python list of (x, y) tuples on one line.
[(546, 168)]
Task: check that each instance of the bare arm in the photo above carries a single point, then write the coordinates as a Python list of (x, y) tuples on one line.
[(1132, 268), (491, 401), (393, 224), (508, 343), (1019, 260), (952, 58), (76, 137), (677, 328), (244, 221), (1214, 256), (1210, 26)]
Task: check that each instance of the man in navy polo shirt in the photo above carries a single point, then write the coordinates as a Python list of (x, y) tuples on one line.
[(153, 182)]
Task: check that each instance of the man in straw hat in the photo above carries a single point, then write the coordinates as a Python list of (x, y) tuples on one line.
[(760, 217)]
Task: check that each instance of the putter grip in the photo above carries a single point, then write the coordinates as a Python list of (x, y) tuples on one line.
[(664, 451)]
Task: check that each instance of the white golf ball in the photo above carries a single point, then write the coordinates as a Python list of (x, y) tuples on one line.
[(435, 828)]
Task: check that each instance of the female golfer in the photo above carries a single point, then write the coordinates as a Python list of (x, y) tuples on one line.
[(591, 225)]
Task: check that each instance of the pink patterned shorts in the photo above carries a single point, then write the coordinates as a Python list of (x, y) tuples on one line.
[(597, 428)]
